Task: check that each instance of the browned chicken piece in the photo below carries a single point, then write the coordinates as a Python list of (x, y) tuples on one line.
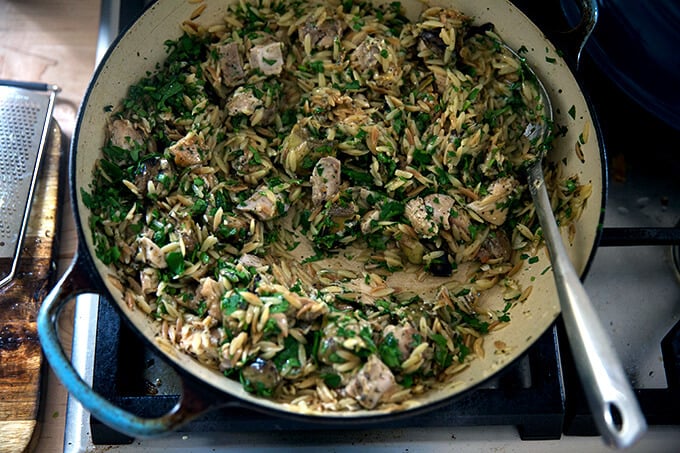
[(149, 279), (421, 220), (369, 221), (299, 147), (370, 383), (264, 203), (365, 56), (243, 101), (324, 35), (440, 207), (231, 64), (325, 180), (342, 210), (404, 334), (249, 260), (189, 150), (124, 135), (378, 63), (151, 253), (496, 247), (211, 292), (268, 58), (187, 236), (430, 214), (493, 208)]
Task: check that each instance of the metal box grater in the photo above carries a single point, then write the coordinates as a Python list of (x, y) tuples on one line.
[(25, 114)]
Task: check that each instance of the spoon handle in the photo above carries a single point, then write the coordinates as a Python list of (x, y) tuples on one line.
[(612, 402)]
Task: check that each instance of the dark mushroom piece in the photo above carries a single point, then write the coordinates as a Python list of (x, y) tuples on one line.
[(260, 377), (158, 171), (479, 29), (440, 267), (432, 40)]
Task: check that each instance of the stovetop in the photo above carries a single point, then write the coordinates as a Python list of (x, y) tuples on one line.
[(537, 404)]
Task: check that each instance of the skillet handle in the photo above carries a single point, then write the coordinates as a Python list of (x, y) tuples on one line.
[(75, 282)]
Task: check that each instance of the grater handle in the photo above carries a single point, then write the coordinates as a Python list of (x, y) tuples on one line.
[(35, 86), (75, 281)]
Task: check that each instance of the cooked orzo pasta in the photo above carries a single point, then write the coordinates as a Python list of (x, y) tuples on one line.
[(315, 197)]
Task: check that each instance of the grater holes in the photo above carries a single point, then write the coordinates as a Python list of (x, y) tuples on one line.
[(7, 211), (19, 130)]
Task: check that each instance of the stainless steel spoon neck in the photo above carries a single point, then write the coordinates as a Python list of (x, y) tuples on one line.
[(612, 402)]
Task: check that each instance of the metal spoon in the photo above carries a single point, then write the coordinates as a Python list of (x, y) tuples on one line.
[(614, 407)]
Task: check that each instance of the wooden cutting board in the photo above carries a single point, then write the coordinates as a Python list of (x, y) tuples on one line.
[(21, 361)]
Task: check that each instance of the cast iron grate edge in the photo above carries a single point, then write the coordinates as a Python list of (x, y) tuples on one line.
[(657, 405), (535, 404)]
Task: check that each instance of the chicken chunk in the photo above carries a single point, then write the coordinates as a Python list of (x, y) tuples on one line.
[(421, 220), (496, 246), (243, 101), (231, 64), (430, 214), (493, 208), (325, 180), (211, 291), (404, 334), (264, 203), (321, 36), (365, 56), (151, 253), (268, 58), (123, 134), (440, 207), (149, 279), (189, 150), (371, 382), (377, 61), (249, 260)]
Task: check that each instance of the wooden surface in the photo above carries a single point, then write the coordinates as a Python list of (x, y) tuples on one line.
[(50, 41), (20, 355)]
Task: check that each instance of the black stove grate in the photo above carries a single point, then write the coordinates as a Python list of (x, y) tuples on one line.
[(647, 144), (528, 395), (632, 135), (658, 405)]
